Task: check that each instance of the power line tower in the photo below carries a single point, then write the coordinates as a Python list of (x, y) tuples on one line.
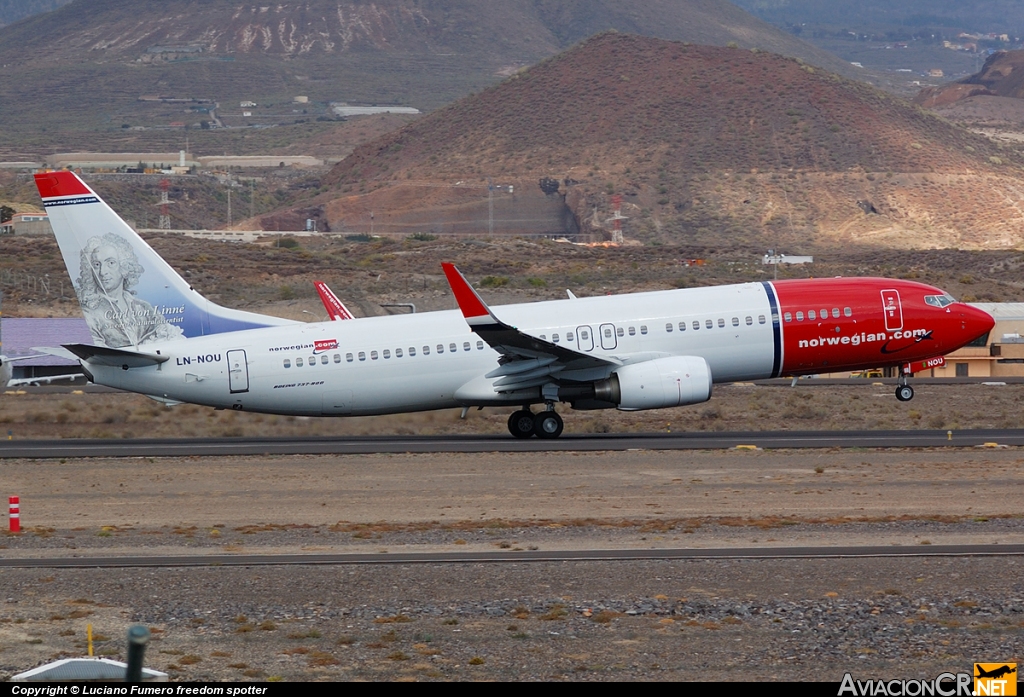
[(165, 202), (616, 219)]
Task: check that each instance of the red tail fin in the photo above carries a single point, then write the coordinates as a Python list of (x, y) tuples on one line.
[(335, 308)]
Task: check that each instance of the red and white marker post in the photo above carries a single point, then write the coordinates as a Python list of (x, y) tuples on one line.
[(15, 514)]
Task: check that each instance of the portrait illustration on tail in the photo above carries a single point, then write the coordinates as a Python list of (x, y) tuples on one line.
[(108, 275)]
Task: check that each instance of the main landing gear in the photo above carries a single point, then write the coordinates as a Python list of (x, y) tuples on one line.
[(904, 392), (546, 424)]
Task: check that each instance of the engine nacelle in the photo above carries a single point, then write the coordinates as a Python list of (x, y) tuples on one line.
[(657, 384)]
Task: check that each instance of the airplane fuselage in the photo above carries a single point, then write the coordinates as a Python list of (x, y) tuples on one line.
[(433, 360)]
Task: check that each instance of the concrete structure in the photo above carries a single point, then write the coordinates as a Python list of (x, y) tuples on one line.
[(30, 224), (112, 160), (84, 670), (346, 110), (231, 235), (215, 162)]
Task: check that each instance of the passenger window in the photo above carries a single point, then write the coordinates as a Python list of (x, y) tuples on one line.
[(643, 329), (412, 350), (479, 346), (324, 360), (620, 332), (632, 331), (440, 348), (735, 321), (787, 317), (668, 327), (696, 325), (568, 336), (800, 316), (373, 355), (554, 338), (584, 335), (824, 313), (835, 313), (682, 326), (348, 357), (398, 353), (608, 332), (453, 348), (848, 312), (811, 315), (362, 355), (298, 362), (387, 353), (760, 319), (287, 363), (721, 322), (337, 358), (426, 350), (709, 324), (465, 346), (312, 361), (750, 320)]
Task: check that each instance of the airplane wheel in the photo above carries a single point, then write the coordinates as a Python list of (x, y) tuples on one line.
[(904, 393), (520, 424), (548, 424)]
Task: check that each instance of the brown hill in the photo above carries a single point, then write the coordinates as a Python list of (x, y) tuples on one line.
[(704, 143), (1001, 76), (81, 69)]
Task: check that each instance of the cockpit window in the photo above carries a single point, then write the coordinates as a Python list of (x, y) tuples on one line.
[(939, 300)]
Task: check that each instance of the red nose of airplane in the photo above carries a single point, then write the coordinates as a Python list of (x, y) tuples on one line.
[(975, 322)]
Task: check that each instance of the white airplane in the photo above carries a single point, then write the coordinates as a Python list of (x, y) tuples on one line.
[(6, 369), (157, 336)]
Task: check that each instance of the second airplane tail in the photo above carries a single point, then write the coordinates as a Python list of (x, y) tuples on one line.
[(128, 293)]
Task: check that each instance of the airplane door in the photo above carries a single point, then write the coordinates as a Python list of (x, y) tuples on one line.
[(608, 341), (586, 338), (238, 371), (892, 309)]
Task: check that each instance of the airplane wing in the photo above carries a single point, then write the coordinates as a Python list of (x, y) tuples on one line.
[(526, 361), (23, 382), (335, 308)]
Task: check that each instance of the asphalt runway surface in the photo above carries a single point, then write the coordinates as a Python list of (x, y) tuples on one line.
[(182, 447), (625, 555)]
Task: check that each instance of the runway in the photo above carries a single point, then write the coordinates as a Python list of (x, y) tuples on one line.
[(184, 447), (123, 562)]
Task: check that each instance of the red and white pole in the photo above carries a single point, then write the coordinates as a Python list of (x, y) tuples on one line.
[(15, 514)]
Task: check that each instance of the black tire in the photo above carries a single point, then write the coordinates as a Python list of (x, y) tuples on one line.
[(548, 424), (520, 424), (904, 393)]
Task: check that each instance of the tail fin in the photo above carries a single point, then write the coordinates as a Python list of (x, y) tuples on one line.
[(129, 294), (335, 308)]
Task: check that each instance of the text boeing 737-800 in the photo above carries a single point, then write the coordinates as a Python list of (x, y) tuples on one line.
[(154, 334)]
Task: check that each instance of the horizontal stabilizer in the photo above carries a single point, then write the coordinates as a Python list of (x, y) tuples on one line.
[(58, 351), (101, 355)]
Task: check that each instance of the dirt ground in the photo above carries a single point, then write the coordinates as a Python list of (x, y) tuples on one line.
[(641, 620)]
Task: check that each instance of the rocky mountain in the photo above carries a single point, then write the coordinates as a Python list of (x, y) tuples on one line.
[(702, 143), (1001, 76), (79, 72)]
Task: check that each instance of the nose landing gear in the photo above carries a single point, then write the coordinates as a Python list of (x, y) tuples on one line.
[(904, 392), (546, 424)]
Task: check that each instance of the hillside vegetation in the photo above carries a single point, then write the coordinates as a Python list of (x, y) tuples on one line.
[(704, 143)]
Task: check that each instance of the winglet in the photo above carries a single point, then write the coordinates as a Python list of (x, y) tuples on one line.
[(335, 308), (474, 309)]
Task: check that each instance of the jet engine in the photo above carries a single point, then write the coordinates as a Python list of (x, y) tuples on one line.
[(656, 384)]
